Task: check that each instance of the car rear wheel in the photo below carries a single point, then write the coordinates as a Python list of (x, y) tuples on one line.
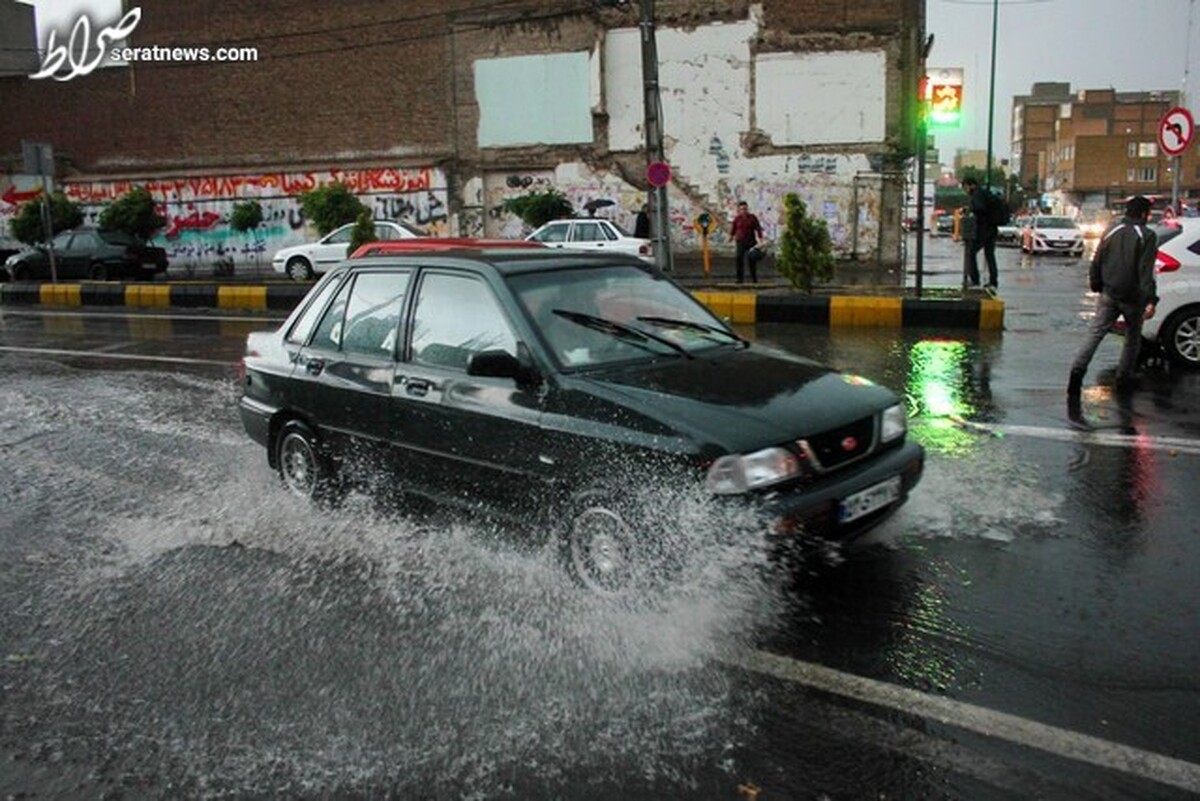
[(21, 273), (298, 269), (98, 272), (305, 470), (1180, 337)]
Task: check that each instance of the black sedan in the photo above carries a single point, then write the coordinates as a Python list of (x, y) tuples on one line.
[(89, 253), (8, 247), (585, 394)]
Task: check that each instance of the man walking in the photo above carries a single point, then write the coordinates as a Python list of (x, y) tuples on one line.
[(1122, 271), (983, 204), (745, 231)]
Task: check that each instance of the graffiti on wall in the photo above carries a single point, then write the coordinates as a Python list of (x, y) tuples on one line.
[(198, 208)]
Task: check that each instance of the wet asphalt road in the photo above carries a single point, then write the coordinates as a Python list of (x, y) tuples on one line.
[(172, 625)]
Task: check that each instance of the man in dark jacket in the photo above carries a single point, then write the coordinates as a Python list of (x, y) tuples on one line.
[(1122, 271), (985, 233)]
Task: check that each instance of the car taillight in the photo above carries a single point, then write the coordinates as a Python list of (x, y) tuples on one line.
[(1165, 263)]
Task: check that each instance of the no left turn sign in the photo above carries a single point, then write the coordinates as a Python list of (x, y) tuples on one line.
[(1175, 131)]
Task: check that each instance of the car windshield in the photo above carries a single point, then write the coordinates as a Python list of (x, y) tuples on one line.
[(605, 315), (1056, 222)]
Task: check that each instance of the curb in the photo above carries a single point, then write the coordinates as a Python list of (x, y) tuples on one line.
[(738, 307)]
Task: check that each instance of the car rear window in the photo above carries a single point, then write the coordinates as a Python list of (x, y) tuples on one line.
[(117, 238), (1166, 233)]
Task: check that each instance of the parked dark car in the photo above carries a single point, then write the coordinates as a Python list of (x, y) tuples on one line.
[(548, 386), (89, 253)]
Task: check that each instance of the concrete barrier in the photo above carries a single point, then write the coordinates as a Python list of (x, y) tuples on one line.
[(868, 310)]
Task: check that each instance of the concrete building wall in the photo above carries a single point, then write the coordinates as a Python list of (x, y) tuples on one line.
[(18, 39), (758, 100)]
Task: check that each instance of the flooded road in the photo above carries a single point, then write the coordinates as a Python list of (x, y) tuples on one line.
[(174, 624)]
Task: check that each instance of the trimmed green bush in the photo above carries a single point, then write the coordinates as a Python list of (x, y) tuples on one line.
[(27, 225), (330, 207), (806, 250), (134, 213)]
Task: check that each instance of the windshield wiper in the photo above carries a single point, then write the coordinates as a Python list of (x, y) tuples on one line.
[(625, 333), (690, 325)]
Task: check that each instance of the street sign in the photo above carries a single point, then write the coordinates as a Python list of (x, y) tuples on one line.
[(1175, 131), (658, 173)]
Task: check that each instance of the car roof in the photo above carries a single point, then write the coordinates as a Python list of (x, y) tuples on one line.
[(504, 261), (432, 243)]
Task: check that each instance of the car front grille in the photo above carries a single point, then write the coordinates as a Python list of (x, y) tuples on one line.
[(840, 446)]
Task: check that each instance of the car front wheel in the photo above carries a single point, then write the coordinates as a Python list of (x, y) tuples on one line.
[(98, 272), (305, 470), (298, 269), (599, 546), (1180, 337)]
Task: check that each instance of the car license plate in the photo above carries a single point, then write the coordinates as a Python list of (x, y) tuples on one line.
[(869, 500)]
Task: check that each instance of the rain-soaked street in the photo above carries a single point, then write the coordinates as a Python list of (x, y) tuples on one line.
[(173, 624)]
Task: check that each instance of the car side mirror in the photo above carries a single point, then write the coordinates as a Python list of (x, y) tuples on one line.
[(502, 364)]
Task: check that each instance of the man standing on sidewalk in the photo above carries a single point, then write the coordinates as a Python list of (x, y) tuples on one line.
[(745, 231), (1122, 271), (984, 209)]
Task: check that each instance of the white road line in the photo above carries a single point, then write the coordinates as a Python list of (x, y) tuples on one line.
[(1050, 739), (1100, 436), (132, 357)]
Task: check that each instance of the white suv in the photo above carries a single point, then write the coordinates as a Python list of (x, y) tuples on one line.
[(1176, 323), (303, 262)]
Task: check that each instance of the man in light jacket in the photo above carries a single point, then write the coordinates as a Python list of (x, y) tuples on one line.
[(1122, 271)]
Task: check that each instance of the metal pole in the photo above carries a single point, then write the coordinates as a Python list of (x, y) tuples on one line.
[(48, 228), (660, 230), (921, 145), (987, 169)]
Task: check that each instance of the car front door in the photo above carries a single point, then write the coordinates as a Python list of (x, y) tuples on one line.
[(478, 434), (343, 377), (332, 249)]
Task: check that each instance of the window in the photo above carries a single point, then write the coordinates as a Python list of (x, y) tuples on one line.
[(1147, 150), (553, 233), (84, 241), (587, 232), (308, 317), (457, 316), (385, 232), (329, 332), (61, 241), (341, 236), (373, 314), (1147, 175)]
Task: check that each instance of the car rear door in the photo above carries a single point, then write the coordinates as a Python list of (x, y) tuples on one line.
[(479, 436), (332, 249), (343, 376)]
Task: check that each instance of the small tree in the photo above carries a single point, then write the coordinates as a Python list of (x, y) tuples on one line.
[(330, 207), (806, 251), (364, 231), (247, 215), (538, 208), (133, 213), (27, 225)]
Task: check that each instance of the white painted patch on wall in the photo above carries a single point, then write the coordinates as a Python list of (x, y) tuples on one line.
[(821, 98), (535, 100)]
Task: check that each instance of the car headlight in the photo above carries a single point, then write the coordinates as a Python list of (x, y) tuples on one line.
[(11, 260), (738, 473), (893, 423)]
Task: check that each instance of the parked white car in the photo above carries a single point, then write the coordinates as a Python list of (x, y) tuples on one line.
[(592, 234), (304, 262), (1175, 326), (1049, 233)]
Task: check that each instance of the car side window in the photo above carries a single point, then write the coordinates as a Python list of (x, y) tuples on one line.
[(329, 332), (457, 316), (607, 232), (61, 241), (385, 232), (373, 314), (587, 232), (341, 237), (84, 242), (553, 233), (308, 318)]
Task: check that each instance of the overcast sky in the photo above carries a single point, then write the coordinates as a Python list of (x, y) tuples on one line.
[(1127, 45)]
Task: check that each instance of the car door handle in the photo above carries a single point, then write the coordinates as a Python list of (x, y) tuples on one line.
[(418, 387), (314, 366)]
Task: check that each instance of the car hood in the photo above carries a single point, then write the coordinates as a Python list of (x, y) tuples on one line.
[(741, 400), (1059, 234)]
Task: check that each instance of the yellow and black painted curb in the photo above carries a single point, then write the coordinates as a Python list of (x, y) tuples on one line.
[(231, 297), (737, 307)]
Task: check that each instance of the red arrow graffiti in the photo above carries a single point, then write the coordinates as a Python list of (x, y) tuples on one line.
[(14, 198)]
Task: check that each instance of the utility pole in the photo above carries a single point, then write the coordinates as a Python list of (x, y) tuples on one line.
[(660, 227), (987, 170), (656, 199)]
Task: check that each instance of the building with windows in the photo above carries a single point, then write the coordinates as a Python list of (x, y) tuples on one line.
[(1100, 146), (437, 112)]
